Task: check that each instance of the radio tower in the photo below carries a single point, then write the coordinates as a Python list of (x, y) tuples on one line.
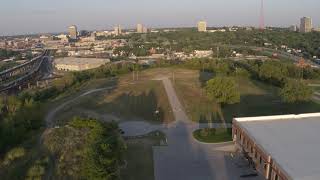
[(262, 25)]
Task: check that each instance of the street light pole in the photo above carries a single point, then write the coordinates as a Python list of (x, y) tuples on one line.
[(173, 76)]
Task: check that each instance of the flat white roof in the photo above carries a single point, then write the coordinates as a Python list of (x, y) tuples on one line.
[(293, 141), (80, 61)]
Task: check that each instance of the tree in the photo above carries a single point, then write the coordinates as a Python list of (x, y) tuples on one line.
[(295, 91), (2, 104), (223, 90), (273, 72)]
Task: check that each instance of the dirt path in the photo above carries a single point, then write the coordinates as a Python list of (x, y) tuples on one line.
[(50, 116)]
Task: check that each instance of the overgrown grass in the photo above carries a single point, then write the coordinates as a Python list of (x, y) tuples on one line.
[(128, 102), (257, 99), (213, 135)]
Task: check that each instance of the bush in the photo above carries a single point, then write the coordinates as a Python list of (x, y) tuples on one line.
[(37, 171), (13, 154)]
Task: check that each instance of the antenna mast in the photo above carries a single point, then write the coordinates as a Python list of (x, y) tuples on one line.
[(262, 25)]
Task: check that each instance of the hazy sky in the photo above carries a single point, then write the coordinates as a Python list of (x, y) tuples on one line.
[(33, 16)]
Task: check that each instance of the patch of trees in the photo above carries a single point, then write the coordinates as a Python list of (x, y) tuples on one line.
[(295, 91), (86, 149), (285, 76), (17, 123), (216, 66), (6, 54), (276, 72), (188, 40), (135, 50)]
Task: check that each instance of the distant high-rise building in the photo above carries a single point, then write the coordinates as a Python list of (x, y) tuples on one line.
[(202, 26), (305, 24), (293, 28), (73, 32), (145, 30), (117, 30), (139, 28)]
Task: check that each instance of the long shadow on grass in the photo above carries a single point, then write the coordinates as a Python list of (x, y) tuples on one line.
[(264, 105), (144, 105), (205, 76)]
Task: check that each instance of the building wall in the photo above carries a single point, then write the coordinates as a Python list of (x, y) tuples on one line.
[(78, 66), (202, 26), (306, 24), (139, 28), (262, 161), (73, 32)]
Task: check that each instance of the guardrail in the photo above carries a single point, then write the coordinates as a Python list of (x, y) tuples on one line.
[(25, 77), (24, 64)]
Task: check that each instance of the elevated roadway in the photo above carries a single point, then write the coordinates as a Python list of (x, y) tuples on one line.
[(25, 73)]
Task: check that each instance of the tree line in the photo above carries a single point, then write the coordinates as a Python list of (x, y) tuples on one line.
[(289, 78)]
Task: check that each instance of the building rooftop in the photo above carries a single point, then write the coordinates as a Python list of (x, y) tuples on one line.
[(293, 141), (77, 61)]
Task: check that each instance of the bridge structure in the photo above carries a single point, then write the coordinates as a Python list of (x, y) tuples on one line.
[(23, 74)]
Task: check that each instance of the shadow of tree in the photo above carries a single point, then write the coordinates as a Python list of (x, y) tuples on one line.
[(264, 105), (205, 76)]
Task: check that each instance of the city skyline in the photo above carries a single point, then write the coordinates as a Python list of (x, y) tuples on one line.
[(37, 16)]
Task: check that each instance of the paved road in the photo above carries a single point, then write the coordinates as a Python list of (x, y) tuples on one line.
[(184, 157)]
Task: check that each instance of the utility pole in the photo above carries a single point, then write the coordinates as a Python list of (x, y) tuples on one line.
[(218, 49), (173, 76), (202, 66), (137, 75), (262, 23)]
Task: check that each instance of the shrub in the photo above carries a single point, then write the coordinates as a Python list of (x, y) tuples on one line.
[(13, 154)]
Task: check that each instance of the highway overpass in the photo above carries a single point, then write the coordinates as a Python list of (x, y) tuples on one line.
[(23, 74)]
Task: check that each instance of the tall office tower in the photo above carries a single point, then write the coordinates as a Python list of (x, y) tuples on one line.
[(117, 30), (305, 24), (202, 26), (139, 28), (73, 33)]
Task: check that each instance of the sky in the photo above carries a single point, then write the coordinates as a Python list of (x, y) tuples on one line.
[(44, 16)]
